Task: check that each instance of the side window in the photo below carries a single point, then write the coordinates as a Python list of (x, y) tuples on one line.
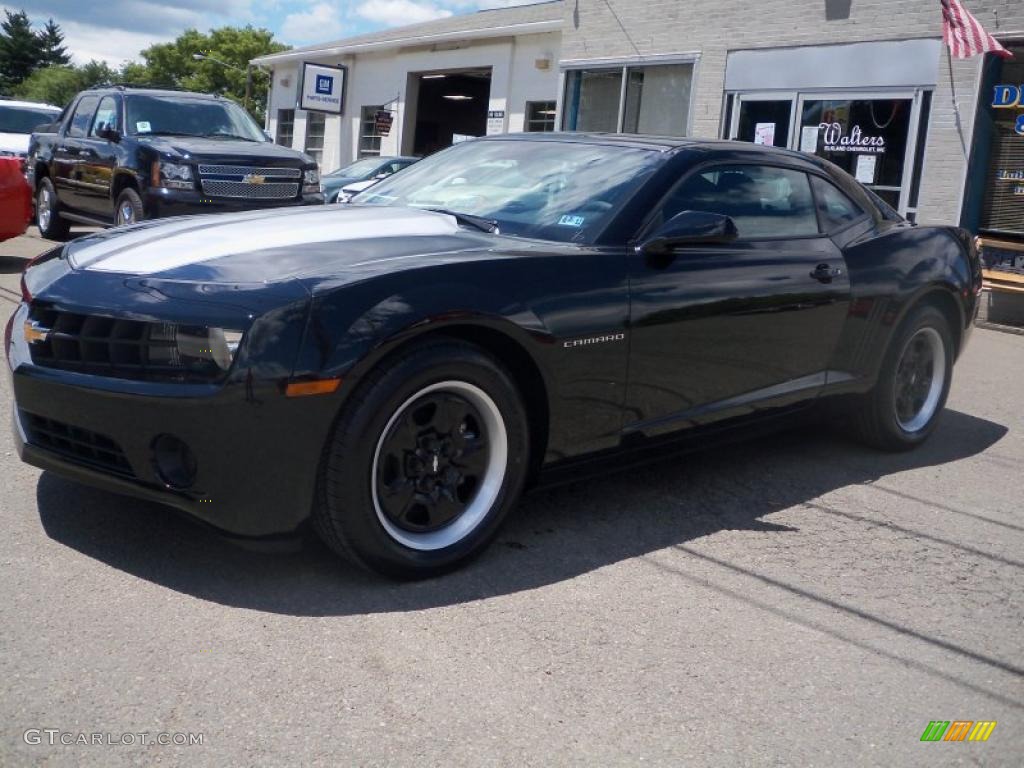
[(82, 117), (106, 115), (834, 207), (762, 201)]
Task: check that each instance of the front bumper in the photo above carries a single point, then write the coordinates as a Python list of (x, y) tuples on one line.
[(256, 451), (160, 203)]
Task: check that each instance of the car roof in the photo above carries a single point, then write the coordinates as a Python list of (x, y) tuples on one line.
[(34, 104), (143, 91), (664, 144)]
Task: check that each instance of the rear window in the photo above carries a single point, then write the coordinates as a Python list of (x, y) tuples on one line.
[(24, 119)]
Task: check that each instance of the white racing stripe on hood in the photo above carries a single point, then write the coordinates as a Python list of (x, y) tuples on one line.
[(179, 243)]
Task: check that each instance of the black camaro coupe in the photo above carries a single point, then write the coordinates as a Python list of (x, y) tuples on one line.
[(397, 371)]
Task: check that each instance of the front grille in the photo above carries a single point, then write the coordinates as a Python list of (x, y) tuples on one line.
[(253, 183), (218, 188), (79, 445), (123, 349)]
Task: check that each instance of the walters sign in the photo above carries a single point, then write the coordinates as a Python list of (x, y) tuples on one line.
[(1011, 97), (854, 141)]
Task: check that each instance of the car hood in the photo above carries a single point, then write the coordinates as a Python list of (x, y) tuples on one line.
[(273, 246), (230, 151)]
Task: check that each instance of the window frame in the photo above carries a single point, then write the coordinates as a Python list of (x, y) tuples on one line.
[(74, 114), (623, 67), (117, 113), (291, 128), (323, 137), (648, 227), (552, 120), (367, 116)]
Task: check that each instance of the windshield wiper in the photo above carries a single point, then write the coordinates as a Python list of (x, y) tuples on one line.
[(223, 135), (477, 222), (167, 133)]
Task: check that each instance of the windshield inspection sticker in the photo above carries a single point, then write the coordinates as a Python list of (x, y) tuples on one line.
[(571, 221), (143, 126)]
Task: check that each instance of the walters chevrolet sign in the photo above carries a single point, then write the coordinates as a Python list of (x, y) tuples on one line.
[(855, 141)]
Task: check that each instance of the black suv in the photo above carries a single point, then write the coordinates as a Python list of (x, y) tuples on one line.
[(120, 155)]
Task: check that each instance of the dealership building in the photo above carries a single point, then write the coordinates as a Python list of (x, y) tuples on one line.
[(867, 84)]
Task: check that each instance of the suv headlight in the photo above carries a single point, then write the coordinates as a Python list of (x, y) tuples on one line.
[(172, 175), (311, 180)]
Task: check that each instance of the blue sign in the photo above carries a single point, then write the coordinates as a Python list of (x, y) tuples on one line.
[(324, 84)]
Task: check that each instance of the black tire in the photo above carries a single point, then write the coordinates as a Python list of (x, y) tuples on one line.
[(51, 224), (877, 417), (392, 403), (128, 209)]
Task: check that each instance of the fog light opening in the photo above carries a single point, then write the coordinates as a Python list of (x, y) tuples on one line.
[(174, 461)]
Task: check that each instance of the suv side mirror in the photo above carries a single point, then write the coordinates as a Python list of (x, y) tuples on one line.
[(690, 228), (110, 134)]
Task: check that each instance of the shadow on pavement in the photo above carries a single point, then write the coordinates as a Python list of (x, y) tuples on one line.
[(13, 265), (555, 534)]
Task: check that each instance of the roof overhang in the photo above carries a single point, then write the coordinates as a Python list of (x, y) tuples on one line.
[(342, 48)]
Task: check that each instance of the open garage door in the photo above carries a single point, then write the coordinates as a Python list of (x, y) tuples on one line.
[(450, 106)]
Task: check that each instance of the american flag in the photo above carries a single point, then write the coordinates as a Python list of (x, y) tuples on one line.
[(964, 34)]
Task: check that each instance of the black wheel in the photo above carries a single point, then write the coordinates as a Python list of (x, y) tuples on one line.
[(904, 407), (51, 225), (129, 208), (424, 463)]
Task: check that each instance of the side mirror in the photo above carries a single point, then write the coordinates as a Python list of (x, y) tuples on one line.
[(690, 228), (110, 134)]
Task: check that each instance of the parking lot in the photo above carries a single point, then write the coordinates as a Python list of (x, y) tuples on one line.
[(797, 600)]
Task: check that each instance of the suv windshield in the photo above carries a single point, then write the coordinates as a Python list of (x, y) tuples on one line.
[(24, 119), (185, 116), (552, 190)]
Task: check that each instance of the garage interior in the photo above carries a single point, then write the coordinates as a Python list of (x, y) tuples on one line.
[(448, 104)]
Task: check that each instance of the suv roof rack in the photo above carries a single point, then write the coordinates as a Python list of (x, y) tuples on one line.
[(148, 87)]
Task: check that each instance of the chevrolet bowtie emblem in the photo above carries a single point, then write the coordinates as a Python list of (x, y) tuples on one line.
[(35, 333), (254, 178)]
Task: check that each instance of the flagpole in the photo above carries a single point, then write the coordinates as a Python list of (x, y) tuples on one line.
[(956, 105)]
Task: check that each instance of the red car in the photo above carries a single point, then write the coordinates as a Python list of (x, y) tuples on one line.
[(15, 199)]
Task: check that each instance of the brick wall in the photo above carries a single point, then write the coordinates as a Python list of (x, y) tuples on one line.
[(613, 28)]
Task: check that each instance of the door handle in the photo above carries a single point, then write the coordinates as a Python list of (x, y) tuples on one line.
[(826, 274)]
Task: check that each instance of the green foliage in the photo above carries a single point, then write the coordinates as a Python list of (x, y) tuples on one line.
[(21, 51), (173, 64), (58, 85)]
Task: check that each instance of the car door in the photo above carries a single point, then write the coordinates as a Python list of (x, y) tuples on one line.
[(68, 154), (723, 330), (97, 159)]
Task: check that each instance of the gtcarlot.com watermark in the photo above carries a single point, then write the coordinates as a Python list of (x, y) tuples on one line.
[(53, 737)]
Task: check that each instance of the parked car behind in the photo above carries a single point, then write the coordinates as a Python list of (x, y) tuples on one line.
[(15, 199), (368, 169), (121, 155), (18, 119)]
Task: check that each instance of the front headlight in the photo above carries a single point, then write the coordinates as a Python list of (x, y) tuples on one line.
[(172, 175), (187, 346), (311, 180)]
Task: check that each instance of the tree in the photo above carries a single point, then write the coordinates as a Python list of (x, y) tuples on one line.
[(51, 41), (58, 85), (21, 51), (172, 64)]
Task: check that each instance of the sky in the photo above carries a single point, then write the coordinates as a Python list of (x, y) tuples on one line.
[(116, 30)]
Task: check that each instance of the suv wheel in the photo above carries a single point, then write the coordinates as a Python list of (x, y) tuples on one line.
[(51, 225), (129, 208)]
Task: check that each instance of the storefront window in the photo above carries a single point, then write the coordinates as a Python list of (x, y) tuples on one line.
[(865, 137), (540, 116), (369, 139), (1002, 211), (285, 126), (656, 99), (315, 124)]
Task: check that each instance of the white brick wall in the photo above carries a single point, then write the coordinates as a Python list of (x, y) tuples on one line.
[(714, 27)]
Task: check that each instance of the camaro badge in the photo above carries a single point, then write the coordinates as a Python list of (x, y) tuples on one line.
[(254, 178), (35, 333)]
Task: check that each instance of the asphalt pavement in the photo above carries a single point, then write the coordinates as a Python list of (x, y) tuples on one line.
[(796, 601)]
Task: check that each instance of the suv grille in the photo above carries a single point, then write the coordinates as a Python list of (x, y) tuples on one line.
[(79, 445), (250, 182), (123, 349)]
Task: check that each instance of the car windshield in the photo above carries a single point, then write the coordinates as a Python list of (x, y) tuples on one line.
[(359, 168), (24, 119), (183, 116), (552, 190)]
